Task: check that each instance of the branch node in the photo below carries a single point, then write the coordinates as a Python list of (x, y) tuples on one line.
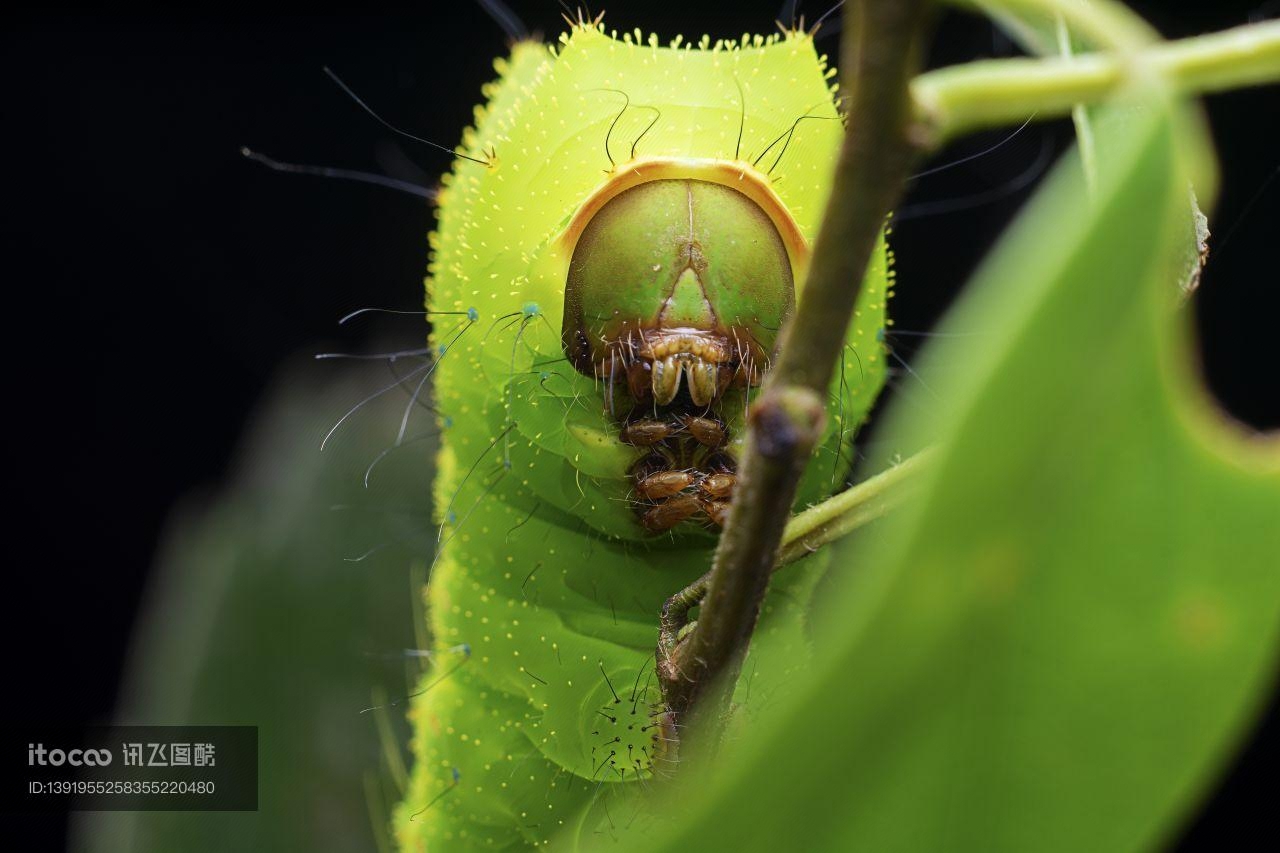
[(788, 422)]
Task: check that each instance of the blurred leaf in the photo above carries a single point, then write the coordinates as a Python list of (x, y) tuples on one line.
[(1056, 645), (1046, 35), (1033, 33), (254, 617)]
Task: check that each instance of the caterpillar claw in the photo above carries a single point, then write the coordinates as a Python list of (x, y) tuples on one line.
[(664, 484), (669, 513), (684, 474), (718, 486), (717, 511), (644, 433), (705, 431)]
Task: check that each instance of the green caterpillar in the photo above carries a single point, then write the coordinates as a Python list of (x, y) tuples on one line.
[(608, 275)]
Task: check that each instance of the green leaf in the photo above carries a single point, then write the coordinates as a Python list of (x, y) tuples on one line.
[(1057, 644), (254, 617)]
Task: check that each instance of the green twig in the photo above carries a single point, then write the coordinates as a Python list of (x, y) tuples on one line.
[(805, 533), (840, 515), (963, 98)]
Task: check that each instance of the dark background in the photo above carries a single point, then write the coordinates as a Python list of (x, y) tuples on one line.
[(156, 279)]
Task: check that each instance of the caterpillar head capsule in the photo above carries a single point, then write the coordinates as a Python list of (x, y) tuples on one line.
[(677, 283), (680, 275)]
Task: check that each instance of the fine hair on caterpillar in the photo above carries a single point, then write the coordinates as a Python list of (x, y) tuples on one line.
[(657, 114)]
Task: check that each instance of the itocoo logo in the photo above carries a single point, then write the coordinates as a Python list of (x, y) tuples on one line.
[(37, 754)]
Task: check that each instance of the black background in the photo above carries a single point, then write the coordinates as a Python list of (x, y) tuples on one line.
[(156, 280)]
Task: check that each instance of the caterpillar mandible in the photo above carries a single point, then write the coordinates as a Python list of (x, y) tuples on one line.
[(613, 259)]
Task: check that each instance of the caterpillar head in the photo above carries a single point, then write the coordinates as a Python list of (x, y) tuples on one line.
[(682, 280), (679, 278)]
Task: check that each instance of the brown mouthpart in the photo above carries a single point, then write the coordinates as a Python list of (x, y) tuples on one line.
[(655, 363)]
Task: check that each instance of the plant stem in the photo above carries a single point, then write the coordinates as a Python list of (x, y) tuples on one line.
[(879, 55), (1079, 116), (805, 533), (843, 513), (963, 98)]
